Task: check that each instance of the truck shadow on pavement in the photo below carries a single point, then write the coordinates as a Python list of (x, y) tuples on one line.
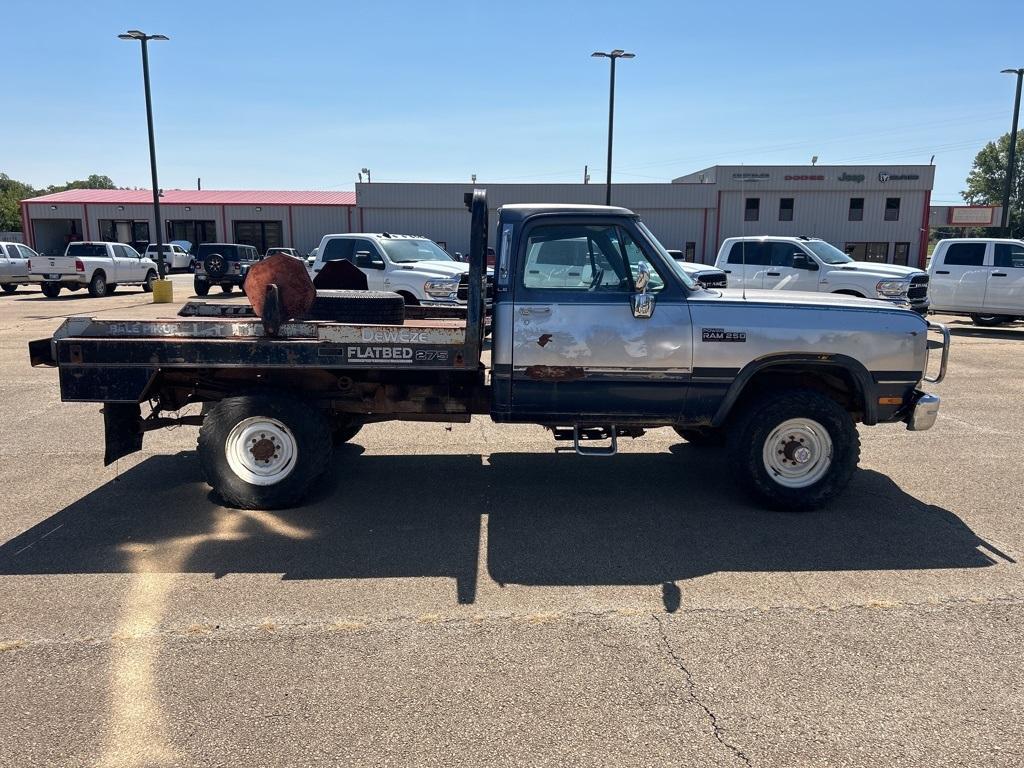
[(550, 520)]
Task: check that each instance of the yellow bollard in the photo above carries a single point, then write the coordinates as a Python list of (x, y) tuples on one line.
[(163, 292)]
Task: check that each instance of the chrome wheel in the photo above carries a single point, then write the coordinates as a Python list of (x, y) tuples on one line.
[(798, 453), (261, 450)]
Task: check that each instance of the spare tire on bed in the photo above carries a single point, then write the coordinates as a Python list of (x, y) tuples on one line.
[(370, 307)]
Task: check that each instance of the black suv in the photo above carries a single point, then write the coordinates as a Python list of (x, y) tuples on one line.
[(223, 264)]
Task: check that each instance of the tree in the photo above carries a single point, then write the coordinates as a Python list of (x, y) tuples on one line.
[(12, 192), (988, 175)]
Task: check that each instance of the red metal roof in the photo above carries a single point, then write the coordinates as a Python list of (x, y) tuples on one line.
[(197, 197)]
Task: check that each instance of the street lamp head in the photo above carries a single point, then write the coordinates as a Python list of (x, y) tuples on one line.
[(599, 55), (1011, 71), (618, 52), (159, 37), (627, 56), (135, 34)]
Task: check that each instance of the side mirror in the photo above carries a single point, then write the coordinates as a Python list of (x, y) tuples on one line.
[(802, 261), (367, 260), (642, 302)]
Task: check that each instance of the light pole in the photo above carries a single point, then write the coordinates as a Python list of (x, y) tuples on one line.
[(1008, 187), (618, 53), (142, 37)]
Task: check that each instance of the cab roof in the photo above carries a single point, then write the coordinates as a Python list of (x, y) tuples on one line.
[(521, 211)]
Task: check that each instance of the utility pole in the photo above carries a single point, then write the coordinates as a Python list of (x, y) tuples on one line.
[(142, 37), (1011, 160), (612, 56)]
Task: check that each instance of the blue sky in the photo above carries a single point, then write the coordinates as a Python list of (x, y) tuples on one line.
[(301, 95)]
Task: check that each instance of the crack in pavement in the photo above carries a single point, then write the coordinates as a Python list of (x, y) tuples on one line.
[(692, 693)]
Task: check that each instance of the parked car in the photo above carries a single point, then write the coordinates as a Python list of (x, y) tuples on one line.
[(175, 257), (311, 258), (99, 266), (415, 267), (979, 277), (14, 261), (286, 251), (707, 275), (223, 264), (811, 264)]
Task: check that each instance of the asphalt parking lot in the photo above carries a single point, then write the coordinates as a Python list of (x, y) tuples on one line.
[(461, 595)]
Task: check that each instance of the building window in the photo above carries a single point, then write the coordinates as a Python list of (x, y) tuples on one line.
[(752, 209), (125, 231), (195, 232), (259, 234), (690, 252), (901, 254), (856, 209), (786, 209), (877, 252), (892, 209)]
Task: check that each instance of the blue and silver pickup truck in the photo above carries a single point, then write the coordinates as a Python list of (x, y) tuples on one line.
[(597, 334)]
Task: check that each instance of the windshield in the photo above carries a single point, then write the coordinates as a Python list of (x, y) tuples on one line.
[(827, 252), (667, 258), (405, 251)]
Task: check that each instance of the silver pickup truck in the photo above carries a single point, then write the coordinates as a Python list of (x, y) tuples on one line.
[(621, 342)]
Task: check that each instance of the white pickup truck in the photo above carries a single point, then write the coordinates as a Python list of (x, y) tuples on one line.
[(980, 277), (814, 265), (100, 267), (416, 268)]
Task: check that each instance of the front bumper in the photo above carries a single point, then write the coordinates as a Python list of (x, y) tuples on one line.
[(923, 411)]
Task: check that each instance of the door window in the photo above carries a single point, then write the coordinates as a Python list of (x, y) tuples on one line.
[(338, 249), (745, 252), (1009, 255), (782, 254), (635, 257), (965, 255), (577, 257), (26, 253)]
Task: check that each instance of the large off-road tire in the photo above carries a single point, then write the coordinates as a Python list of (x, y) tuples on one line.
[(988, 321), (795, 449), (98, 284), (264, 449), (370, 307), (147, 284), (708, 437), (201, 288), (50, 290), (9, 287), (226, 287)]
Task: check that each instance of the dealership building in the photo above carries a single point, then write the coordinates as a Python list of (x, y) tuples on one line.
[(876, 213)]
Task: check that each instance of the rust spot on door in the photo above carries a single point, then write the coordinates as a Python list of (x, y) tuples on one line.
[(555, 372), (544, 339)]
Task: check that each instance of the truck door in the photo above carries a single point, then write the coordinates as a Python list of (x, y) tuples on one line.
[(122, 271), (790, 269), (961, 278), (578, 352), (369, 259), (748, 262), (1005, 291)]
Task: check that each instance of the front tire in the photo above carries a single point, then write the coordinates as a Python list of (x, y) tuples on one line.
[(50, 290), (9, 287), (796, 450), (147, 284), (263, 450), (988, 321), (98, 285)]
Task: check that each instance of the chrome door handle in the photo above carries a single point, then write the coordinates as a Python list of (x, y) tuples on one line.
[(535, 310), (941, 271), (998, 274), (772, 274)]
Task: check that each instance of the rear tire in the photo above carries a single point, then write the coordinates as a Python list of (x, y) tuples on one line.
[(98, 285), (263, 450), (796, 450), (226, 287), (50, 290), (9, 287), (147, 285)]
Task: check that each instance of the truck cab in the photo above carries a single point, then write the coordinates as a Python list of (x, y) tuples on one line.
[(979, 277)]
